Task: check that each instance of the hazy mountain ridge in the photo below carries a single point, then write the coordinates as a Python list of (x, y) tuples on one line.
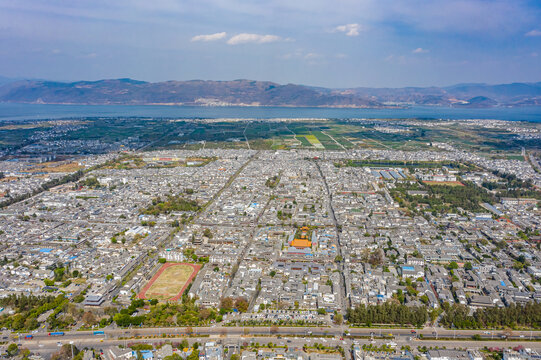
[(514, 94), (263, 93)]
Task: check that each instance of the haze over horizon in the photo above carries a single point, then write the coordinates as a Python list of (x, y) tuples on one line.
[(443, 86), (342, 44)]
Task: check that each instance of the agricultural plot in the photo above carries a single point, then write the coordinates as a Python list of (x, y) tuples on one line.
[(304, 141), (313, 140), (169, 282), (331, 134)]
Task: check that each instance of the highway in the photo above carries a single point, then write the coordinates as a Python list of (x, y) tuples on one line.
[(236, 336), (425, 334)]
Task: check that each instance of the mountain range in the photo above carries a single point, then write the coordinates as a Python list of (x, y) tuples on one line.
[(262, 93)]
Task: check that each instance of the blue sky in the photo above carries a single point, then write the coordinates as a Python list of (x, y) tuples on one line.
[(333, 43)]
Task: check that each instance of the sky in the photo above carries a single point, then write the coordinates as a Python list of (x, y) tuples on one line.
[(330, 43)]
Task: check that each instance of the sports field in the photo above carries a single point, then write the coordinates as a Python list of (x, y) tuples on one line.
[(169, 282)]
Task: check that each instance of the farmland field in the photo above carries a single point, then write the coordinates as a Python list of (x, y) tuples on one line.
[(169, 282), (309, 134), (314, 141)]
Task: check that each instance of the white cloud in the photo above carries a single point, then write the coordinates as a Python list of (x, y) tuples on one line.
[(349, 29), (210, 37), (91, 55), (311, 56), (420, 51), (245, 38), (534, 33)]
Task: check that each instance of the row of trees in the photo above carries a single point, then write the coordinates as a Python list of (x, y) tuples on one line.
[(21, 303), (405, 163), (457, 315), (181, 314), (185, 313), (387, 313), (512, 316), (28, 308), (444, 197)]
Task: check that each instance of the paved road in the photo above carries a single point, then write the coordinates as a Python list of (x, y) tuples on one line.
[(344, 300), (427, 333), (46, 346)]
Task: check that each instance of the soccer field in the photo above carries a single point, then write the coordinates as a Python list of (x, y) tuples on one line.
[(169, 282)]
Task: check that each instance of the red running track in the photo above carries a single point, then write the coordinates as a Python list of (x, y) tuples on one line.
[(195, 267)]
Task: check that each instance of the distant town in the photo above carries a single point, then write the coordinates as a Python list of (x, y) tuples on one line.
[(235, 239)]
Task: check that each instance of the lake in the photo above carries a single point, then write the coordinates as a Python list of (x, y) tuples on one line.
[(10, 111)]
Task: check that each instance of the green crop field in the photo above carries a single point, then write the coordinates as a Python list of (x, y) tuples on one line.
[(332, 134)]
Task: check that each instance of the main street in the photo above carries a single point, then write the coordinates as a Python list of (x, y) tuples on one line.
[(426, 333), (294, 338)]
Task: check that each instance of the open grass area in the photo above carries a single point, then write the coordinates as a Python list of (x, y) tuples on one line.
[(169, 282)]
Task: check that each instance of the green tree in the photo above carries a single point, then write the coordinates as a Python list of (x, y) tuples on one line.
[(194, 355), (89, 318), (175, 356), (226, 304), (65, 352), (241, 305), (12, 349)]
